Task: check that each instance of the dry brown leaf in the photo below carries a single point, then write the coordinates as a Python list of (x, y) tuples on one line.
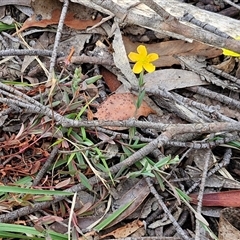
[(110, 79), (121, 106), (78, 16), (63, 183), (89, 235), (226, 66), (167, 50), (70, 21), (137, 194), (229, 224), (215, 181), (170, 79), (125, 231)]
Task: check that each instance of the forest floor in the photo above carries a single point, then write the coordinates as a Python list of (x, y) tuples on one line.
[(119, 119)]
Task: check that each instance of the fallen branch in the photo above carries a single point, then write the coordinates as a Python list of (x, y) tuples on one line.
[(143, 16)]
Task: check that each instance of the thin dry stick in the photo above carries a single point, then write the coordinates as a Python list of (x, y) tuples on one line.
[(232, 4), (16, 2), (165, 209), (28, 52), (204, 144), (201, 191), (45, 167), (88, 59), (223, 74), (216, 96), (65, 122), (57, 38), (35, 106), (182, 219), (192, 105), (225, 162)]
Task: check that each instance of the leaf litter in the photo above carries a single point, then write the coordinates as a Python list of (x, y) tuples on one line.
[(118, 167), (122, 106)]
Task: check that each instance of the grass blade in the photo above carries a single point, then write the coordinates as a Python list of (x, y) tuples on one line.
[(10, 189), (112, 216)]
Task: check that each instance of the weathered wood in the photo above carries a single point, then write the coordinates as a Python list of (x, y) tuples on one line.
[(143, 16)]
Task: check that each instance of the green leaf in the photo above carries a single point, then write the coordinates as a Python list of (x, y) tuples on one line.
[(10, 189), (93, 79), (141, 80), (163, 162), (72, 155), (7, 229), (23, 84), (160, 181), (137, 146), (76, 136), (65, 98), (107, 168), (43, 199), (85, 181), (233, 143), (57, 142), (71, 115), (4, 26), (132, 131), (127, 151), (101, 167), (183, 195), (76, 79), (112, 216), (25, 181), (148, 174), (175, 160), (19, 236), (83, 133), (81, 162), (84, 109)]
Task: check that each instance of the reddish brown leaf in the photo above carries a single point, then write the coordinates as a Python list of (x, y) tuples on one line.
[(70, 21), (35, 167), (38, 89), (121, 106), (223, 199), (110, 79)]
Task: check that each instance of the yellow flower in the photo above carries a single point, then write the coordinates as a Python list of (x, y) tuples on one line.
[(143, 60), (227, 52)]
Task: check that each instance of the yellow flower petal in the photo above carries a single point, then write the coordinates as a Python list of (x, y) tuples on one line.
[(133, 56), (142, 60), (138, 67), (227, 52), (149, 67), (152, 57), (142, 51)]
